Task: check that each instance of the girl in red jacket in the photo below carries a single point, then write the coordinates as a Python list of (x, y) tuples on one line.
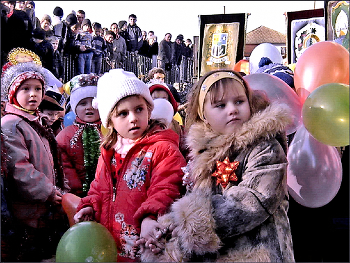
[(139, 173)]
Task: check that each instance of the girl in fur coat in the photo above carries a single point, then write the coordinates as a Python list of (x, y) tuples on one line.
[(235, 208)]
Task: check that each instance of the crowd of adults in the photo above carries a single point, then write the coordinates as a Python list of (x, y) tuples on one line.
[(87, 43)]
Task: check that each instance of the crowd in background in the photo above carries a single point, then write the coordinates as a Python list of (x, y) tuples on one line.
[(55, 36)]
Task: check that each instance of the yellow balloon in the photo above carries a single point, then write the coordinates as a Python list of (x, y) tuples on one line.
[(325, 114)]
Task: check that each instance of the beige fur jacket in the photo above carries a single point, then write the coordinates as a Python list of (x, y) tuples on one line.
[(246, 221)]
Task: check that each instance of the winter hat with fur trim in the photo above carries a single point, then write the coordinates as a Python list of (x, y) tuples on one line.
[(167, 90), (114, 86), (81, 87)]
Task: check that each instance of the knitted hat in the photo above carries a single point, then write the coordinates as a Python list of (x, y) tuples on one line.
[(38, 33), (15, 75), (167, 90), (121, 23), (51, 101), (163, 110), (81, 87), (114, 86), (86, 22), (58, 11), (71, 19)]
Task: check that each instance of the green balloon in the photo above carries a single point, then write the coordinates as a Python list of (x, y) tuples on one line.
[(326, 114), (87, 242)]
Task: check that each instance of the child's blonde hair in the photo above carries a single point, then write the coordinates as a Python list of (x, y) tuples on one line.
[(192, 112), (111, 137)]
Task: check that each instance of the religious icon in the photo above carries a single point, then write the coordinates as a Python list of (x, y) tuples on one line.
[(219, 46)]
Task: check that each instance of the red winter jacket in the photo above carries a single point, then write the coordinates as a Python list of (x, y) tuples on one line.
[(71, 146), (150, 179)]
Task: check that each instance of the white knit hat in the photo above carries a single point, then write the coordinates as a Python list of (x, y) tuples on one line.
[(115, 85), (81, 87)]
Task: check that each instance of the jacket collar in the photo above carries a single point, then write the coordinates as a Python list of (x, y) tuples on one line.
[(262, 125), (13, 110)]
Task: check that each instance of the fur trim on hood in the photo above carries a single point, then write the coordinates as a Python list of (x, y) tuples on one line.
[(207, 146)]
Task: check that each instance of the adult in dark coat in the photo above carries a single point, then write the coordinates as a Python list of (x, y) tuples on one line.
[(17, 31)]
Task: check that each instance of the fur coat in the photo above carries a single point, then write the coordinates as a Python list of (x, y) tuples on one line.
[(246, 221)]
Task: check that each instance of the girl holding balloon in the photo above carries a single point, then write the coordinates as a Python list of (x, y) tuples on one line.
[(235, 208), (139, 173)]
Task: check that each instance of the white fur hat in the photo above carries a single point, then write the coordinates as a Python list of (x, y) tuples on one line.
[(163, 110), (81, 87), (115, 85)]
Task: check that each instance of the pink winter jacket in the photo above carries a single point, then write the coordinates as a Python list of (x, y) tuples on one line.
[(31, 175), (149, 181)]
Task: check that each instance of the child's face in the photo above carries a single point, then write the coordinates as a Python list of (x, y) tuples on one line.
[(98, 31), (230, 111), (52, 115), (45, 25), (160, 94), (54, 45), (86, 112), (30, 94), (159, 77), (109, 38), (131, 117), (86, 28)]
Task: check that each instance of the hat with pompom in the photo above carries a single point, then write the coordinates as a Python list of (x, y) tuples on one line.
[(162, 111), (81, 87), (116, 85), (171, 99)]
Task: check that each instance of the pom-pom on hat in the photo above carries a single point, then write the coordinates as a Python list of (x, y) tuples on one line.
[(81, 87), (172, 100), (162, 111), (58, 11), (116, 85)]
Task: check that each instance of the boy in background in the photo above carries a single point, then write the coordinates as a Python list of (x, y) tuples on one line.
[(83, 41), (57, 66), (98, 46)]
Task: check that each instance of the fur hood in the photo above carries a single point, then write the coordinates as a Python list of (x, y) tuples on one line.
[(207, 146)]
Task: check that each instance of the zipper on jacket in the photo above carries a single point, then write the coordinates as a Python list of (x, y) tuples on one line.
[(114, 193)]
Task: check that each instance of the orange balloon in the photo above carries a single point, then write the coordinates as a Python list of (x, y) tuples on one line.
[(242, 66), (70, 203), (322, 63)]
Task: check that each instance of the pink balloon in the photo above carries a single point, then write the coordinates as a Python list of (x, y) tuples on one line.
[(278, 90), (314, 173)]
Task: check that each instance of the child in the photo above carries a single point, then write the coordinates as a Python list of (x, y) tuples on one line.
[(139, 171), (57, 66), (80, 142), (99, 47), (235, 208), (83, 41), (35, 178), (160, 91), (52, 110)]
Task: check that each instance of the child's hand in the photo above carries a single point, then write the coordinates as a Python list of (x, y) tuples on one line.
[(151, 232), (57, 198), (82, 48), (85, 214)]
